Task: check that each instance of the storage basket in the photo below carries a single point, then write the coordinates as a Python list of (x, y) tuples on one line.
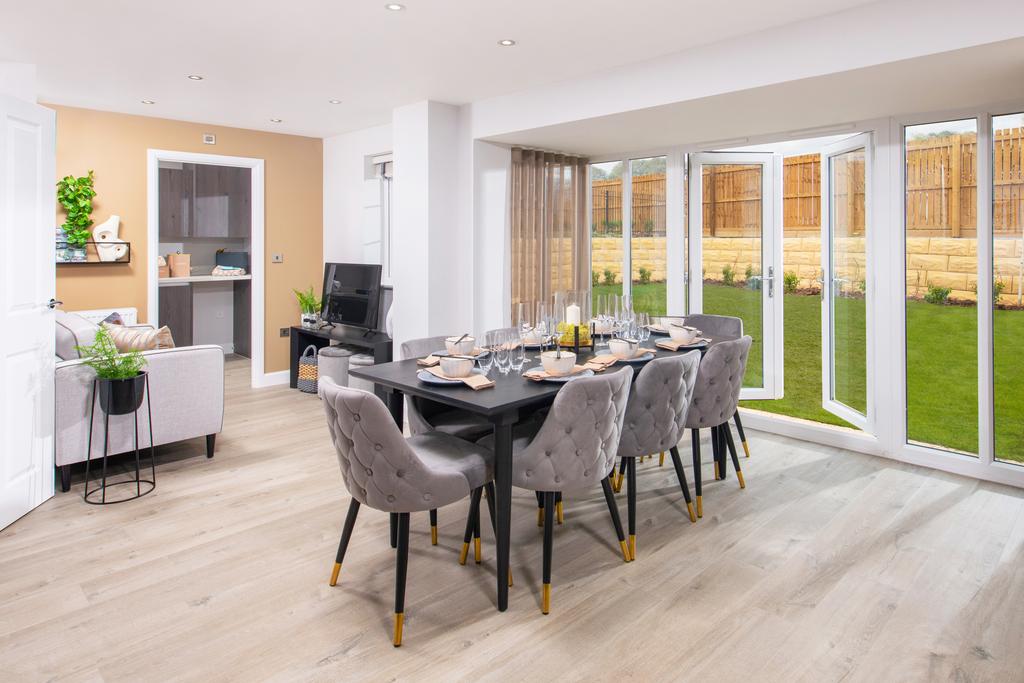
[(308, 370)]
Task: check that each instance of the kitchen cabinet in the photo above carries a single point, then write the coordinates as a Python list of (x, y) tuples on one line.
[(175, 196), (176, 311), (202, 200)]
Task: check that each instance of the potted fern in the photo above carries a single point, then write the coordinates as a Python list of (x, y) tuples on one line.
[(121, 378), (310, 306), (76, 195)]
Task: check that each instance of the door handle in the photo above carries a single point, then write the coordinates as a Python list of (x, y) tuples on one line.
[(54, 303), (770, 277)]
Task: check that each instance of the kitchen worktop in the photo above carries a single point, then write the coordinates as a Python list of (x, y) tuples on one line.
[(202, 278)]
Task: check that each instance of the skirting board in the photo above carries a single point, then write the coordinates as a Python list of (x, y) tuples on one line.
[(271, 379)]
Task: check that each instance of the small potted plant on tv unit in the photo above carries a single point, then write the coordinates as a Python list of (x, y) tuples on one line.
[(121, 378), (310, 306)]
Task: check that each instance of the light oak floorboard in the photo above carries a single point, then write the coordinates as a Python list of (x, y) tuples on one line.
[(830, 566)]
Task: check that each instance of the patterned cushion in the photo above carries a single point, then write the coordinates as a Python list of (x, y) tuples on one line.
[(139, 338)]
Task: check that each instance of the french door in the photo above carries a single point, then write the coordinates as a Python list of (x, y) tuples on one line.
[(735, 239), (845, 207)]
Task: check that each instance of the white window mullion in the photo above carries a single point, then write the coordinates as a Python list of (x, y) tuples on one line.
[(675, 235), (986, 439), (627, 228)]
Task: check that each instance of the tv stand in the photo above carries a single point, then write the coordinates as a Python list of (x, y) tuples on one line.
[(375, 342)]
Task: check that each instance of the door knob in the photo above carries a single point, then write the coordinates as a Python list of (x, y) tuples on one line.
[(53, 303)]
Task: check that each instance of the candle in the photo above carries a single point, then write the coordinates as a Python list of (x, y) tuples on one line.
[(572, 314)]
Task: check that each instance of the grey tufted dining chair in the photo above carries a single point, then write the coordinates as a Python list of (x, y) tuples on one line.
[(425, 415), (573, 450), (722, 327), (656, 421), (715, 398), (386, 471)]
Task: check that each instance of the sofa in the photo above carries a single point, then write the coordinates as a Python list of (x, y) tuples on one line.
[(187, 386)]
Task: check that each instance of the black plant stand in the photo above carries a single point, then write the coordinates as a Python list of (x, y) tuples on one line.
[(138, 480)]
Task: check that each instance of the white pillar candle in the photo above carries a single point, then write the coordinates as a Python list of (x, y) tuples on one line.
[(572, 314)]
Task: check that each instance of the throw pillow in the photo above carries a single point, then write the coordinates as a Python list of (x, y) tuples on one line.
[(140, 338), (114, 319)]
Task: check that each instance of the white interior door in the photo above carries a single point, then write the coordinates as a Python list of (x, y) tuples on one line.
[(27, 286), (735, 259), (845, 206)]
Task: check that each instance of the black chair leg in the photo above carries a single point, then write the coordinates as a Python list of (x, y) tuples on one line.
[(549, 531), (732, 452), (433, 527), (65, 478), (346, 534), (716, 454), (558, 508), (739, 428), (477, 556), (613, 508), (695, 444), (211, 442), (623, 464), (681, 475), (540, 509), (631, 506), (472, 524), (401, 567), (723, 456), (393, 521)]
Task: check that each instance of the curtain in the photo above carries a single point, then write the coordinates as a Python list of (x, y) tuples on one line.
[(550, 245)]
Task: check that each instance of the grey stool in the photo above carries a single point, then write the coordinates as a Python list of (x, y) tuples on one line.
[(425, 415), (386, 471), (573, 450), (715, 397), (722, 328), (332, 361), (360, 360), (656, 421)]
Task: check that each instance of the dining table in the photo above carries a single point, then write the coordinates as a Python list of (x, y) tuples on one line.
[(502, 405)]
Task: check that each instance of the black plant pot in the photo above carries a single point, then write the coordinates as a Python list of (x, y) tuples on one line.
[(122, 396)]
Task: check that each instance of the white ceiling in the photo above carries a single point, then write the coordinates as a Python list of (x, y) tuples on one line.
[(988, 74), (264, 60)]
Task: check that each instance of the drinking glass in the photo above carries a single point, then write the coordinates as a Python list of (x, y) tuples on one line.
[(643, 326), (540, 320), (487, 360), (502, 357), (517, 352), (521, 317)]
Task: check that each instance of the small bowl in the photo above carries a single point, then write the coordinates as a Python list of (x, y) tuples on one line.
[(534, 337), (557, 367), (456, 367), (623, 349), (686, 335), (464, 347)]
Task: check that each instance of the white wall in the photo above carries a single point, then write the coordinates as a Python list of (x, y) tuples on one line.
[(492, 165), (345, 194)]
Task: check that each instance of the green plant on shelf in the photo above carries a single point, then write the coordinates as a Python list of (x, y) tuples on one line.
[(109, 363), (309, 302), (76, 195)]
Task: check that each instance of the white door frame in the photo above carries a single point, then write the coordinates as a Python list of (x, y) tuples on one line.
[(771, 258), (257, 261), (860, 141)]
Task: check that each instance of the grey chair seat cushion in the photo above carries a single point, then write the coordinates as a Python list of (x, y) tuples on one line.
[(442, 452), (461, 424)]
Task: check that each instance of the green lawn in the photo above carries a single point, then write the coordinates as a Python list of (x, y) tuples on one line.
[(942, 385)]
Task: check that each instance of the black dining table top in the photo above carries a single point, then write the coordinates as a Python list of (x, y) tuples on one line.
[(510, 391)]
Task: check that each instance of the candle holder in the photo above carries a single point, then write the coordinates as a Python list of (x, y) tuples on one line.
[(573, 309)]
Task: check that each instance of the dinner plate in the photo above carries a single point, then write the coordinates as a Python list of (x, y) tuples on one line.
[(655, 329), (639, 359), (428, 378), (564, 378), (699, 344), (440, 354)]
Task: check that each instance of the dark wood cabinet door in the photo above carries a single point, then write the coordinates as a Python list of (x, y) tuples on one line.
[(222, 201), (175, 198), (176, 312), (240, 211), (242, 323)]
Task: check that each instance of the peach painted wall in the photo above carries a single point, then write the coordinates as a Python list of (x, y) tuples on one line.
[(115, 146)]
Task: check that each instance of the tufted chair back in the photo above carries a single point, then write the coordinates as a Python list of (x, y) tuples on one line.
[(658, 403), (419, 411), (719, 379), (576, 446), (378, 466), (718, 327)]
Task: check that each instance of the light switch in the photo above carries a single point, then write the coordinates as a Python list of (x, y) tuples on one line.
[(277, 258)]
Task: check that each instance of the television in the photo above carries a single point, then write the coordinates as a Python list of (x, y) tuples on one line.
[(351, 294)]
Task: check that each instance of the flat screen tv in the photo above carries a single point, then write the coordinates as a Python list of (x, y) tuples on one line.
[(351, 294)]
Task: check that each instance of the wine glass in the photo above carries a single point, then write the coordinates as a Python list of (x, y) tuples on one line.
[(521, 317)]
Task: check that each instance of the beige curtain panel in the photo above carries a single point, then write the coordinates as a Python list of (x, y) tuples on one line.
[(550, 246)]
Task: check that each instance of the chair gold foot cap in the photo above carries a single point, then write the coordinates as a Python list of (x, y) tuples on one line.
[(625, 550), (632, 547), (464, 553), (477, 557), (693, 516), (540, 516), (661, 459), (335, 572), (746, 449), (399, 618), (700, 506), (739, 475), (716, 469), (433, 535), (545, 601), (509, 578), (558, 512)]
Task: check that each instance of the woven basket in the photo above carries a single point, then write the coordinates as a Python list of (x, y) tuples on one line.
[(308, 370)]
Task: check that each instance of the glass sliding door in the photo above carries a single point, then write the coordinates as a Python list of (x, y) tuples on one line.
[(940, 170), (734, 254), (606, 243), (844, 289), (648, 251), (1008, 286)]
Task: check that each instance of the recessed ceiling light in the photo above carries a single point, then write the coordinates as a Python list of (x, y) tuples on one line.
[(275, 120), (334, 101), (394, 7), (148, 102), (193, 77), (506, 43)]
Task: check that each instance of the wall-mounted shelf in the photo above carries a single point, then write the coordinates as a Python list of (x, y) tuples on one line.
[(92, 253)]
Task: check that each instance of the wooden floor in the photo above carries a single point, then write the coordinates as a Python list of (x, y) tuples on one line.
[(829, 566)]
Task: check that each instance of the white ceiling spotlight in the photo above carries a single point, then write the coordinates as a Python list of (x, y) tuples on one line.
[(194, 77), (148, 102), (394, 7), (275, 120), (507, 42), (334, 101)]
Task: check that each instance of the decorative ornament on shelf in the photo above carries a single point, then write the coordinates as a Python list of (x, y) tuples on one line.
[(109, 246)]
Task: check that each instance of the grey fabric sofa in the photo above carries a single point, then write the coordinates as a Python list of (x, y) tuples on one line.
[(187, 385)]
